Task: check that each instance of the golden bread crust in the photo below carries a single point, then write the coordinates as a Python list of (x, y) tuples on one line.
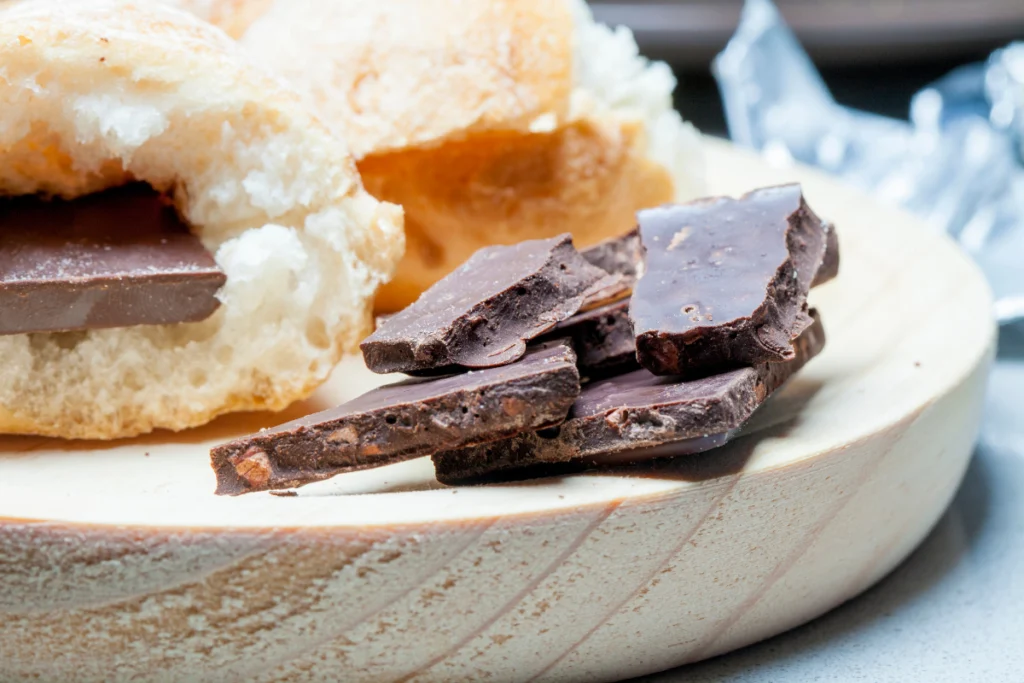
[(416, 73)]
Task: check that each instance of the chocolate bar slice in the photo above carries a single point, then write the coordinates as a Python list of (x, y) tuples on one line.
[(829, 268), (726, 281), (633, 418), (620, 255), (603, 339), (403, 421), (603, 336), (112, 259), (483, 313)]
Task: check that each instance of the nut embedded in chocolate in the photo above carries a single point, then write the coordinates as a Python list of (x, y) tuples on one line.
[(633, 418), (113, 259), (726, 281), (483, 314), (403, 421)]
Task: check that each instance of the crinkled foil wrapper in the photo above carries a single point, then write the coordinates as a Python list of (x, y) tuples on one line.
[(957, 162)]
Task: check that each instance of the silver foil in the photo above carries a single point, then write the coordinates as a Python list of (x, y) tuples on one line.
[(957, 161)]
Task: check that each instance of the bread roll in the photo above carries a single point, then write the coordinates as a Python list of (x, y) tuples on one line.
[(490, 122), (97, 93)]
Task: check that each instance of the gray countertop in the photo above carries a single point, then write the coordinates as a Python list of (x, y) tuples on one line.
[(954, 611)]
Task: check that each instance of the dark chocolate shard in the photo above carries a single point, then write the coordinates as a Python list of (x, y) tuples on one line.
[(403, 421), (829, 269), (516, 460), (726, 281), (112, 259), (634, 418), (603, 339), (621, 257), (483, 313), (603, 336)]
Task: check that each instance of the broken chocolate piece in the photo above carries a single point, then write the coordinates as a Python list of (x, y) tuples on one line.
[(622, 258), (726, 281), (403, 421), (829, 268), (113, 259), (633, 418), (603, 339), (620, 255), (515, 460), (483, 314)]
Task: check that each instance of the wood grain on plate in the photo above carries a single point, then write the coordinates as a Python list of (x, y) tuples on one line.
[(118, 563)]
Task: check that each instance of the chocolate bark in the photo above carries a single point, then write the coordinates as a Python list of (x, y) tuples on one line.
[(633, 418), (829, 268), (483, 313), (603, 339), (403, 421), (113, 259), (603, 336), (620, 255), (726, 281)]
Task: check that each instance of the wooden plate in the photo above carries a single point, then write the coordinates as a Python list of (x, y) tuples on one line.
[(118, 563)]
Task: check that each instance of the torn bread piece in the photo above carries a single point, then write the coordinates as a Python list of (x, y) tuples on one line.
[(489, 122), (102, 93)]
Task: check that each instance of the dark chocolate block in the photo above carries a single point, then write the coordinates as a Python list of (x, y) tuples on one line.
[(602, 337), (483, 313), (829, 268), (113, 259), (619, 255), (726, 281), (403, 421), (622, 258), (634, 418)]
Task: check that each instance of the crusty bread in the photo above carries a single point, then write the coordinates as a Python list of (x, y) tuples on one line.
[(233, 16), (397, 74), (488, 121), (620, 147), (99, 92)]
